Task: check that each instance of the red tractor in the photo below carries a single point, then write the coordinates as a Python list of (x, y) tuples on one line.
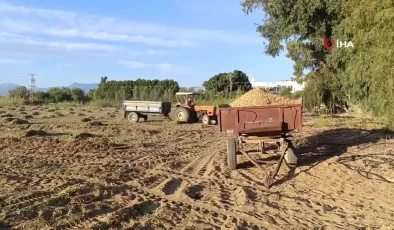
[(187, 111)]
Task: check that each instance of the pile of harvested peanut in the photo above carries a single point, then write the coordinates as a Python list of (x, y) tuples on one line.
[(260, 97)]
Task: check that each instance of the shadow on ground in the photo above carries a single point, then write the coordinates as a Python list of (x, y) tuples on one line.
[(332, 143), (4, 226)]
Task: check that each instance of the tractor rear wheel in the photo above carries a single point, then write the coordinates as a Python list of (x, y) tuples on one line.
[(232, 149), (133, 117), (206, 120), (182, 114)]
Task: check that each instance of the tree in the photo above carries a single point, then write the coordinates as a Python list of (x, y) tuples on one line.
[(91, 95), (19, 92), (60, 94), (41, 96), (103, 80), (303, 27), (285, 91), (231, 81), (367, 71), (230, 77), (139, 89), (77, 94)]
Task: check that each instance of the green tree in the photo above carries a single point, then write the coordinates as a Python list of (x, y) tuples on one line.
[(228, 82), (19, 92), (91, 95), (302, 26), (103, 80), (285, 91), (77, 94), (140, 88), (41, 96), (60, 94)]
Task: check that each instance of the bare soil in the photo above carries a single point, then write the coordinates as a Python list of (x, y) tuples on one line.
[(61, 171)]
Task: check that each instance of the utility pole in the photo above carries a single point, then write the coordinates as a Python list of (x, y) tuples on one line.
[(32, 86)]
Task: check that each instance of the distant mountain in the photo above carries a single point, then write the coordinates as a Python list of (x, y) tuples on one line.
[(5, 87), (84, 87)]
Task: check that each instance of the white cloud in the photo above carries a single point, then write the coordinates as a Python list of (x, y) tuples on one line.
[(66, 24), (60, 65), (134, 65), (12, 61), (164, 67), (151, 52), (18, 39), (14, 44)]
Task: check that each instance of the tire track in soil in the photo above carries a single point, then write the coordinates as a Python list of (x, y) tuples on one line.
[(89, 222), (172, 186), (223, 200), (199, 165), (26, 201), (201, 208), (32, 180), (228, 182)]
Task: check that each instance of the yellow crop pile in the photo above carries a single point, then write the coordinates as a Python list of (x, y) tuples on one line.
[(260, 97)]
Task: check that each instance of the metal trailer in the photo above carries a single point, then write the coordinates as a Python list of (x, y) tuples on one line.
[(134, 110), (265, 125)]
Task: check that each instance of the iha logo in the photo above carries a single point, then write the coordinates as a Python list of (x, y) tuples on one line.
[(330, 43)]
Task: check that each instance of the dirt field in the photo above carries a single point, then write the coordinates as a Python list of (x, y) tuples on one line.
[(91, 169)]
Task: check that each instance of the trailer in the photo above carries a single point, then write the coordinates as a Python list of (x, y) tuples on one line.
[(134, 110), (264, 126)]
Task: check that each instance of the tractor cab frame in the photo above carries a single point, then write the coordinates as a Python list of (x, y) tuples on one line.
[(188, 111)]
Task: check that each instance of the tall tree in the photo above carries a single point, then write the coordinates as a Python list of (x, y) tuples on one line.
[(232, 81), (302, 25), (19, 92), (77, 94)]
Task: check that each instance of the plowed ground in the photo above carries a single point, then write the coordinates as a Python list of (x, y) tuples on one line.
[(111, 174)]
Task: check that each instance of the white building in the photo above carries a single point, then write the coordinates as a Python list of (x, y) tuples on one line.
[(275, 87)]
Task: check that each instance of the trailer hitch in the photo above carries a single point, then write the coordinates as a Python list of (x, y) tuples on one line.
[(269, 175)]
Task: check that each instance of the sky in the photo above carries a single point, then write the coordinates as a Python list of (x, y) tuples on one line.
[(79, 41)]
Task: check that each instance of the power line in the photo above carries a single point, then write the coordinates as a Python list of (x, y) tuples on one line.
[(32, 86)]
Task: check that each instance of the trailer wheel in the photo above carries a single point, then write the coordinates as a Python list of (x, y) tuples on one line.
[(133, 117), (232, 149), (206, 120), (182, 115), (290, 157)]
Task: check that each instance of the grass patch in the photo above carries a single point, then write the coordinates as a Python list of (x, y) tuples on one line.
[(28, 117), (7, 101), (7, 115), (18, 121), (59, 114), (86, 119), (31, 133), (95, 123), (104, 103), (8, 119), (84, 135)]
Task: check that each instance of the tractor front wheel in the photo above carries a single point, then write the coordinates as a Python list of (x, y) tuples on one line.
[(206, 120)]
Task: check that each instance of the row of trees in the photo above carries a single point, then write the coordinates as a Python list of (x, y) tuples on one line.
[(54, 95), (220, 86), (139, 89), (362, 75)]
